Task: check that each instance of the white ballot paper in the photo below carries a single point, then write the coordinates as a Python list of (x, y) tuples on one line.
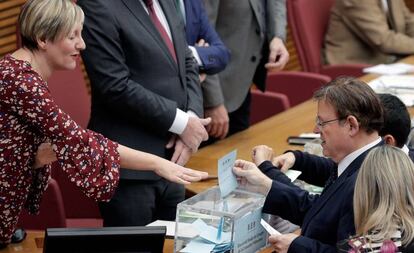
[(269, 228), (226, 178)]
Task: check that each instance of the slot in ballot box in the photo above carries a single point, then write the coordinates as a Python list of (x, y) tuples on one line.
[(208, 223)]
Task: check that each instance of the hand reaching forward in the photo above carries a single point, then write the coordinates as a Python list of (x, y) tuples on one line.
[(177, 173), (44, 155), (285, 161), (251, 178), (262, 153)]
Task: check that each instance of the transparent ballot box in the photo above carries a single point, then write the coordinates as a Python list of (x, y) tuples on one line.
[(208, 223)]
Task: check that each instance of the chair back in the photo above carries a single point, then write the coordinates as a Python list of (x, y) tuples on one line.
[(308, 21), (52, 212), (266, 104), (297, 86)]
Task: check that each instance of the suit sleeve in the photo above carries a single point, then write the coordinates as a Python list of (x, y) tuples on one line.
[(289, 202), (276, 23), (315, 170), (216, 56), (109, 72), (367, 20), (194, 94)]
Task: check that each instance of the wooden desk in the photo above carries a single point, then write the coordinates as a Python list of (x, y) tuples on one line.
[(272, 132), (34, 244)]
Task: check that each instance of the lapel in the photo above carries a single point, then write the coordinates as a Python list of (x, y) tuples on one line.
[(259, 10), (391, 15), (350, 170), (142, 16)]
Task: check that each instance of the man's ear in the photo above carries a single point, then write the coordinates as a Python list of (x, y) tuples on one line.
[(390, 140), (353, 125)]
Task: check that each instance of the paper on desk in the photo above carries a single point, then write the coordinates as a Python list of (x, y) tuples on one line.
[(293, 174), (226, 178), (186, 230), (310, 135), (390, 69), (400, 86)]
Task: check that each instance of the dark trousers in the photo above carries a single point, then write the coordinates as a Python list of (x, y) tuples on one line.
[(240, 118), (139, 202)]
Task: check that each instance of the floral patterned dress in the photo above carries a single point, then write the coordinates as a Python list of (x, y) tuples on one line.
[(28, 117)]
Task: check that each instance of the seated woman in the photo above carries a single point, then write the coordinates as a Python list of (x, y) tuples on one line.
[(51, 37), (383, 204)]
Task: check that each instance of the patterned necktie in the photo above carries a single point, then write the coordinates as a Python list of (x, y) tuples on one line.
[(160, 28)]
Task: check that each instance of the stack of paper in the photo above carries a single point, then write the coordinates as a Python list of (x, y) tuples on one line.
[(401, 86), (390, 69), (210, 239)]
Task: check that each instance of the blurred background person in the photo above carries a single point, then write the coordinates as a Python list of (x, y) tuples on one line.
[(51, 38), (383, 204), (255, 32), (369, 31), (397, 123)]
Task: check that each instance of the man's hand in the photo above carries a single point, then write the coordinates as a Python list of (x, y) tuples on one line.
[(44, 155), (202, 43), (262, 153), (281, 243), (182, 153), (251, 178), (285, 161), (219, 126), (278, 56), (195, 132)]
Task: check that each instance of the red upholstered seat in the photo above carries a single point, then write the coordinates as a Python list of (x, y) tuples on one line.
[(297, 86), (266, 104), (52, 212)]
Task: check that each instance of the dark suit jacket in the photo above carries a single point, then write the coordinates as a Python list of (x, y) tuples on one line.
[(136, 84), (216, 56), (324, 219)]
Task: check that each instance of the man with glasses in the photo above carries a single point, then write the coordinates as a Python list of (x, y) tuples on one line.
[(349, 118)]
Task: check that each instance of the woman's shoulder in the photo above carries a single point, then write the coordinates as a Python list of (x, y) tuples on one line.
[(15, 71)]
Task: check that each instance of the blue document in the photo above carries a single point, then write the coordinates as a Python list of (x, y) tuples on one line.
[(226, 178)]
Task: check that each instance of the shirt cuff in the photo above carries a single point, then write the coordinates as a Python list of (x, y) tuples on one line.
[(196, 56), (180, 122)]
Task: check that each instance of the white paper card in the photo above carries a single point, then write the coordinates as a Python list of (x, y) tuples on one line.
[(226, 178)]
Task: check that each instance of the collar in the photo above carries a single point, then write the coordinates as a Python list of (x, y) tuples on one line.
[(405, 149), (344, 163)]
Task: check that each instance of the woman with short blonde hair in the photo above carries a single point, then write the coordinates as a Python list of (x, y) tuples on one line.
[(29, 117), (384, 203)]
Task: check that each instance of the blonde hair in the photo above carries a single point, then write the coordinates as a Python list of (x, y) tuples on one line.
[(384, 195), (47, 20)]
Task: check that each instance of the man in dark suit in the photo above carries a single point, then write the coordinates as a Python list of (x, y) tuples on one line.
[(145, 95), (349, 117), (397, 123)]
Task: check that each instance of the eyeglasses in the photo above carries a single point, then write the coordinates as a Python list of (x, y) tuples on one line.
[(320, 124)]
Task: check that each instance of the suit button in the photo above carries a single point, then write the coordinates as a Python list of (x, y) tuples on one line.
[(253, 58)]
